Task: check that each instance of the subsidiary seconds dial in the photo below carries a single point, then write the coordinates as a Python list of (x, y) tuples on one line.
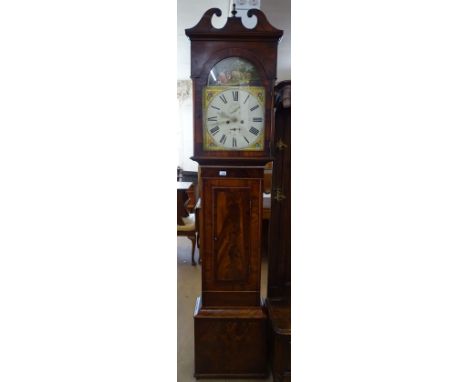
[(235, 119)]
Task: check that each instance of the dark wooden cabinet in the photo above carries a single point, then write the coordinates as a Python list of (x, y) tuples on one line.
[(279, 255), (279, 340), (279, 246)]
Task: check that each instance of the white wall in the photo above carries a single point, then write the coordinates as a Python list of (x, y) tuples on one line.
[(189, 13), (278, 13)]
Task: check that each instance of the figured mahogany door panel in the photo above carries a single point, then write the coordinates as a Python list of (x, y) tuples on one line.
[(231, 233), (231, 257)]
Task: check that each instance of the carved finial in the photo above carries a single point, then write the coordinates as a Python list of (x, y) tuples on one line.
[(234, 12)]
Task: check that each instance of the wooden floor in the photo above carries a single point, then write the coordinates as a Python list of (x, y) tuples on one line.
[(188, 289)]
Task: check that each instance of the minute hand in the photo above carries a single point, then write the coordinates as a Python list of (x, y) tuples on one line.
[(237, 108)]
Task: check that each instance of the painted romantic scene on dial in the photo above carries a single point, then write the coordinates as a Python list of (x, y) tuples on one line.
[(233, 71)]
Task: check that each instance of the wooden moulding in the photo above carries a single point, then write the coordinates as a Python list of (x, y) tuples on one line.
[(237, 172), (234, 28), (230, 342), (232, 162), (215, 299)]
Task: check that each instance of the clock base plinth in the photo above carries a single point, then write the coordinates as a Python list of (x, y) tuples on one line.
[(230, 342)]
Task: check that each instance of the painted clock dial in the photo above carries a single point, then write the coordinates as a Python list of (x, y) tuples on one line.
[(233, 107), (234, 118)]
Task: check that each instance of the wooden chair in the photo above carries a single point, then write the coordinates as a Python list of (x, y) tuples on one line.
[(189, 229), (186, 222)]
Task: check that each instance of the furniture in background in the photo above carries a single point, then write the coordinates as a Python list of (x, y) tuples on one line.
[(197, 227), (186, 221), (267, 173), (279, 240), (192, 191), (179, 174)]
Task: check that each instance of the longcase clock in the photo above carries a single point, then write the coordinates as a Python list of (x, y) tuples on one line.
[(233, 70)]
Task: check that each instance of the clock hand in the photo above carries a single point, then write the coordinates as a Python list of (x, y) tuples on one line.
[(237, 108)]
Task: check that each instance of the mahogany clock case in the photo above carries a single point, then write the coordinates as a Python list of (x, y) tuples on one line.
[(230, 319)]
